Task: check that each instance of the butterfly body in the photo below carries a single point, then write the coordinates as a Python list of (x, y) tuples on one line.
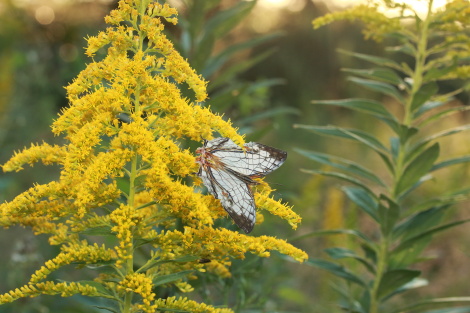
[(228, 172)]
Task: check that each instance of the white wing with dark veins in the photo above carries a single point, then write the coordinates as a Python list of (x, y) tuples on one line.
[(234, 194), (258, 160), (228, 171)]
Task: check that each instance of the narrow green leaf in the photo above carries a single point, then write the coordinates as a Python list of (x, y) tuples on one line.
[(340, 176), (444, 133), (382, 74), (230, 72), (437, 72), (341, 253), (351, 232), (432, 303), (427, 106), (363, 200), (423, 95), (98, 231), (362, 105), (406, 132), (384, 88), (153, 263), (388, 214), (394, 279), (419, 222), (464, 159), (406, 48), (407, 244), (216, 62), (413, 284), (374, 59), (342, 164), (448, 199), (347, 133), (165, 279), (99, 287), (420, 166), (105, 308), (224, 21), (442, 114), (337, 270), (269, 114)]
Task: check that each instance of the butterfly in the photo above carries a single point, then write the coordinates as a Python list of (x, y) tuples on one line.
[(228, 173)]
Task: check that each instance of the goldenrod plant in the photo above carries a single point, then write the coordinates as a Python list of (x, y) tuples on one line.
[(382, 266), (125, 184)]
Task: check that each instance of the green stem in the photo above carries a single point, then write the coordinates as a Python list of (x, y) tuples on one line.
[(129, 266), (417, 82), (382, 264)]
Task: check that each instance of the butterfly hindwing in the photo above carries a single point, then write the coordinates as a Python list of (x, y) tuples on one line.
[(235, 195)]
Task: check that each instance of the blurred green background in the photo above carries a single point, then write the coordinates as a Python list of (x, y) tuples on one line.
[(41, 51)]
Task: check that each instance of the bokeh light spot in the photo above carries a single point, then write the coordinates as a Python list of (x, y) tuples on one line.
[(44, 15)]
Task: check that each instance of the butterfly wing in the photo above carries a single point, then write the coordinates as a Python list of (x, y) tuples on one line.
[(256, 160), (234, 194)]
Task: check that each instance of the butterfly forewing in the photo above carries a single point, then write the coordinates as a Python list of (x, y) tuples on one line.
[(228, 171), (256, 160)]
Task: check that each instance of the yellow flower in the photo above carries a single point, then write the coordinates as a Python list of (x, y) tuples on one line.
[(126, 176)]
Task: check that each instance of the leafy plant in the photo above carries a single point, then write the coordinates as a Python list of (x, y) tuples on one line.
[(439, 44), (206, 39)]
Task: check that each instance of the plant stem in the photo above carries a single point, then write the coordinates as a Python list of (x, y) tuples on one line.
[(417, 82)]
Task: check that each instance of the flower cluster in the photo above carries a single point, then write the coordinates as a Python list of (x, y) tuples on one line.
[(125, 175)]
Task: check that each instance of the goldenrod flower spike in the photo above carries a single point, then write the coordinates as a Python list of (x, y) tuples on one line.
[(123, 170)]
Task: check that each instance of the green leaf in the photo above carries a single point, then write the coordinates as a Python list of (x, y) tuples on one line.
[(165, 279), (341, 253), (382, 74), (337, 270), (433, 303), (427, 106), (448, 199), (99, 287), (224, 21), (420, 166), (407, 244), (366, 240), (374, 59), (98, 231), (216, 62), (464, 159), (361, 105), (363, 200), (384, 88), (105, 308), (230, 72), (342, 164), (444, 133), (347, 133), (388, 215), (420, 222), (394, 279), (123, 185), (443, 113), (341, 176), (269, 114), (413, 284), (153, 263), (423, 95)]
